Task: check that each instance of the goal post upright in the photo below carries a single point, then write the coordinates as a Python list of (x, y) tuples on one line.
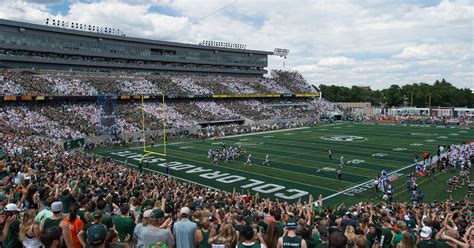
[(147, 152)]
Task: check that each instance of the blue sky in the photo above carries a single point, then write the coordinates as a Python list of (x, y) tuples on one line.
[(342, 42)]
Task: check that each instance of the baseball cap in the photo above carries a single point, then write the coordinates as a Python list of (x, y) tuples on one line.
[(11, 207), (57, 207), (157, 213), (185, 210), (291, 223), (425, 232), (97, 214), (147, 213), (96, 234)]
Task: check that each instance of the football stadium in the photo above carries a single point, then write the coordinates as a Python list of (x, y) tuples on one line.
[(115, 140)]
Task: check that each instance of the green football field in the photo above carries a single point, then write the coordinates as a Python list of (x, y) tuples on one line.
[(299, 163)]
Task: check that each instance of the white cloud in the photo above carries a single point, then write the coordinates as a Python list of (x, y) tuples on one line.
[(336, 61), (375, 43)]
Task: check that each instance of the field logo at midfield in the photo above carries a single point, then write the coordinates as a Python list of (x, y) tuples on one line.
[(343, 138), (379, 155)]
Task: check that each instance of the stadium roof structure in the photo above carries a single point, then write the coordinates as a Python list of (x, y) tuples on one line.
[(27, 45)]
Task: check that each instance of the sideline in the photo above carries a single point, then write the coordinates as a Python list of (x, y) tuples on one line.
[(258, 133), (276, 131)]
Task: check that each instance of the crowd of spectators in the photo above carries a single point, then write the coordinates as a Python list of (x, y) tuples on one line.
[(65, 120), (51, 197), (93, 84), (70, 87), (29, 121)]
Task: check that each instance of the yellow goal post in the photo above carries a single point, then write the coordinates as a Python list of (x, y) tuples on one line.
[(146, 149)]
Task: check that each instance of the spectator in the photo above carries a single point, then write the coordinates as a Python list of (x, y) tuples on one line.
[(29, 230), (289, 238), (75, 225), (184, 229), (96, 236), (52, 237), (137, 232), (248, 238), (11, 226), (202, 235), (158, 231), (227, 237), (124, 223), (271, 235)]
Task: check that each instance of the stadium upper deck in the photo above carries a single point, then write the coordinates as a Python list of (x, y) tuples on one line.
[(26, 45)]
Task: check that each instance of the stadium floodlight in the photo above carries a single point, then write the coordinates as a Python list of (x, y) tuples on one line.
[(281, 52)]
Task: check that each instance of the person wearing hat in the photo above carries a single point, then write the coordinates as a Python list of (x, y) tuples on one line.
[(185, 229), (11, 226), (158, 230), (137, 232), (323, 236), (82, 234), (96, 235), (57, 220), (425, 238), (289, 239)]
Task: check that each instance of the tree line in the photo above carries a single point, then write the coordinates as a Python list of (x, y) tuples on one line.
[(417, 95)]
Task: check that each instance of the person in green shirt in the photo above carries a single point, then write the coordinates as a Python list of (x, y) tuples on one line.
[(11, 227), (399, 228), (124, 224), (386, 230), (372, 236)]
